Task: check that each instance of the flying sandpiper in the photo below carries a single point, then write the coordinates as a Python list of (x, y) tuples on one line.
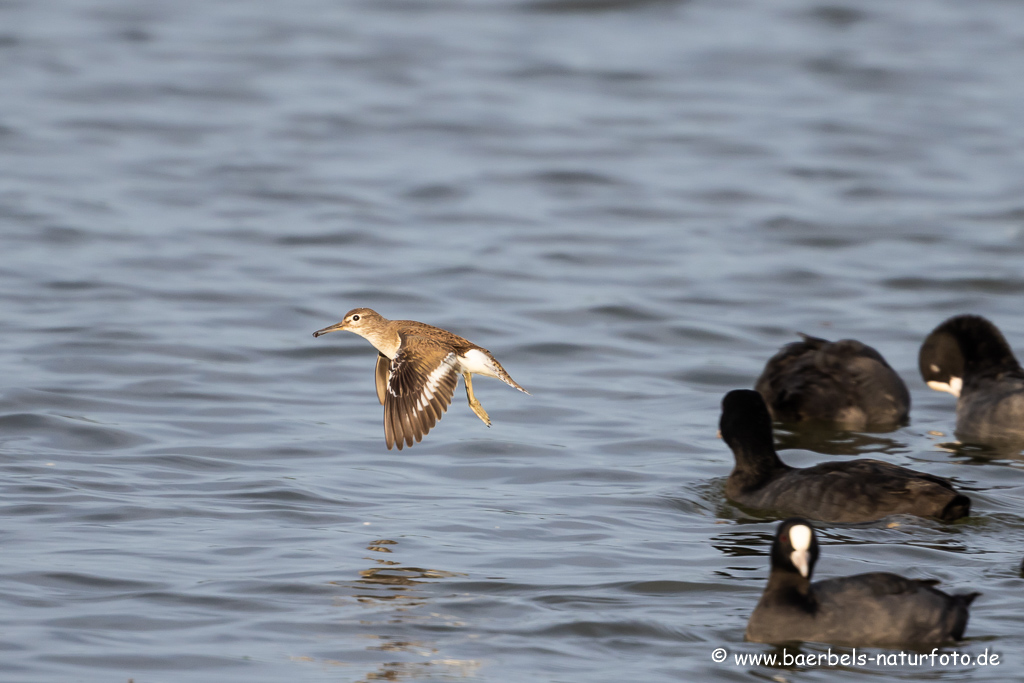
[(418, 367)]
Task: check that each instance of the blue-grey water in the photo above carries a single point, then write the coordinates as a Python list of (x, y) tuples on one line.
[(632, 203)]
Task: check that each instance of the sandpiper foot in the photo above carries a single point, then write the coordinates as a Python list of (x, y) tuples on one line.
[(475, 404)]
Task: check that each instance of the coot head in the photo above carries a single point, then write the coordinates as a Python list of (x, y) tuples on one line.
[(795, 548), (961, 346), (745, 423)]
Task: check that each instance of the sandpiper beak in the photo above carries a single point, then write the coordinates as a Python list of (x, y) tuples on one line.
[(332, 328)]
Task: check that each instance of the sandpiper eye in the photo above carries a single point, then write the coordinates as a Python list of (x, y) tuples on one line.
[(355, 318)]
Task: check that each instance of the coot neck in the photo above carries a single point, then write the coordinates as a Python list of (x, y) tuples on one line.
[(787, 586), (756, 462)]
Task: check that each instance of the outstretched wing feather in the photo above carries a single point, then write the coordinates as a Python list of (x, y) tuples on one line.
[(420, 386)]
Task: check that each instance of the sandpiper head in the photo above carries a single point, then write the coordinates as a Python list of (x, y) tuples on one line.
[(795, 547), (355, 320)]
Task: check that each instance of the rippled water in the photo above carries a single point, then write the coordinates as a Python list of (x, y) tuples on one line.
[(632, 203)]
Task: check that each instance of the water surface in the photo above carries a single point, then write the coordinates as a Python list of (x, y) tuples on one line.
[(633, 204)]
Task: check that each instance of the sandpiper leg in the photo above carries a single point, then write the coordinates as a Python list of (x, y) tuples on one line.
[(473, 403)]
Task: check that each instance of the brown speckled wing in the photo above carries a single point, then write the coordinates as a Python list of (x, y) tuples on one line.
[(422, 382)]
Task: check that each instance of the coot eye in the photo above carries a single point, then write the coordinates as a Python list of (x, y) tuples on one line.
[(355, 318)]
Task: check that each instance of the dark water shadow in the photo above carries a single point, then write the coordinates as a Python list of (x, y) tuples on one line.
[(830, 441), (985, 453)]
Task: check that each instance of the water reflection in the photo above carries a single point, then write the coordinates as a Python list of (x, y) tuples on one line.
[(396, 588), (391, 582), (743, 543), (906, 531), (821, 439), (440, 668), (984, 453)]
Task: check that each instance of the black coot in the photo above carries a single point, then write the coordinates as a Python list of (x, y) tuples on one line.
[(968, 357), (844, 491), (876, 609), (845, 382)]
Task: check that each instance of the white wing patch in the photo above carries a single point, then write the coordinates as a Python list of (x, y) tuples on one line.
[(433, 381)]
